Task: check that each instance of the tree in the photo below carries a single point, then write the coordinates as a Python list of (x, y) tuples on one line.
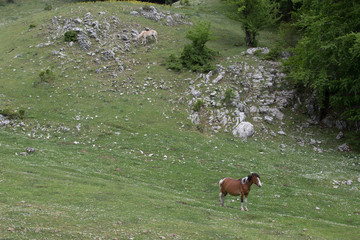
[(327, 58), (254, 16)]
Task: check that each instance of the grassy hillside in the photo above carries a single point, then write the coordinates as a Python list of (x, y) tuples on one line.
[(116, 157)]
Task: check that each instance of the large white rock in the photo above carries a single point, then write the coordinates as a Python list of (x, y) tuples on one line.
[(243, 130)]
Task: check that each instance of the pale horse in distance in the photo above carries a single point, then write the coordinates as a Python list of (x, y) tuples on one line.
[(145, 34)]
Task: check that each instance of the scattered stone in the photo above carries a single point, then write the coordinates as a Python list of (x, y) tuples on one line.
[(107, 55), (344, 148), (195, 118), (277, 113), (318, 150), (30, 150), (340, 135), (268, 119), (196, 93), (281, 132), (218, 78), (134, 13), (77, 21), (349, 182)]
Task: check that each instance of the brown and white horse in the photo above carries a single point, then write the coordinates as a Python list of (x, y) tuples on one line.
[(145, 34), (238, 187)]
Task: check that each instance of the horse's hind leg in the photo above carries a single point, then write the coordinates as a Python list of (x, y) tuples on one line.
[(222, 198), (242, 202)]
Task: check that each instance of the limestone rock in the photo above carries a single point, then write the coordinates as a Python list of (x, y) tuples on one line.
[(243, 130)]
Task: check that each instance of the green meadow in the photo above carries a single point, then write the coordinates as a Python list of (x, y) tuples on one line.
[(118, 158)]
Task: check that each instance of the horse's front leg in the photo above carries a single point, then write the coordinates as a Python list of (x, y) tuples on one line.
[(245, 207)]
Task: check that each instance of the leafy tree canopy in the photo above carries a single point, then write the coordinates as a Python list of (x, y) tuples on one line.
[(254, 16), (327, 58)]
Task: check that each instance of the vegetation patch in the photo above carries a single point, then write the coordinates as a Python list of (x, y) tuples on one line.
[(198, 105), (47, 75), (70, 36), (11, 112), (196, 56)]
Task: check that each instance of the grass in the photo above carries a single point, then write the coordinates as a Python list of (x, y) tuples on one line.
[(137, 168)]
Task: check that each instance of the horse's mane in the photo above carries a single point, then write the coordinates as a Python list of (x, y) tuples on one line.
[(250, 176)]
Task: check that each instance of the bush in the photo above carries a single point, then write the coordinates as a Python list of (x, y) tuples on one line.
[(274, 54), (195, 56), (229, 94), (70, 36), (32, 26), (47, 75), (198, 105), (9, 112), (174, 63)]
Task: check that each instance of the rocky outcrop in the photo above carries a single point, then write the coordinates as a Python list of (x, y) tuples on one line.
[(257, 95)]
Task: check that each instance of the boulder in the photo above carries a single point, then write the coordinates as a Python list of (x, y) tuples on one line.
[(243, 130)]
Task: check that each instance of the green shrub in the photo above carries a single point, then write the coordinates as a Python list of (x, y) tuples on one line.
[(32, 26), (47, 75), (195, 56), (197, 59), (198, 105), (273, 54), (258, 53), (9, 112), (174, 63), (70, 36), (229, 94)]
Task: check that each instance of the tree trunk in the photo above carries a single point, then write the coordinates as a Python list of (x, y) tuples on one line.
[(325, 105), (250, 38)]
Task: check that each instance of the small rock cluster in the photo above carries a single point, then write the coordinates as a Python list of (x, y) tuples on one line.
[(337, 184), (168, 19), (28, 150)]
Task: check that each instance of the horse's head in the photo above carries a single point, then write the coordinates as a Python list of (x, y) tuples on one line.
[(255, 178)]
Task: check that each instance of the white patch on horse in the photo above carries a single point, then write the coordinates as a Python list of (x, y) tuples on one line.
[(244, 180), (220, 182), (259, 182)]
